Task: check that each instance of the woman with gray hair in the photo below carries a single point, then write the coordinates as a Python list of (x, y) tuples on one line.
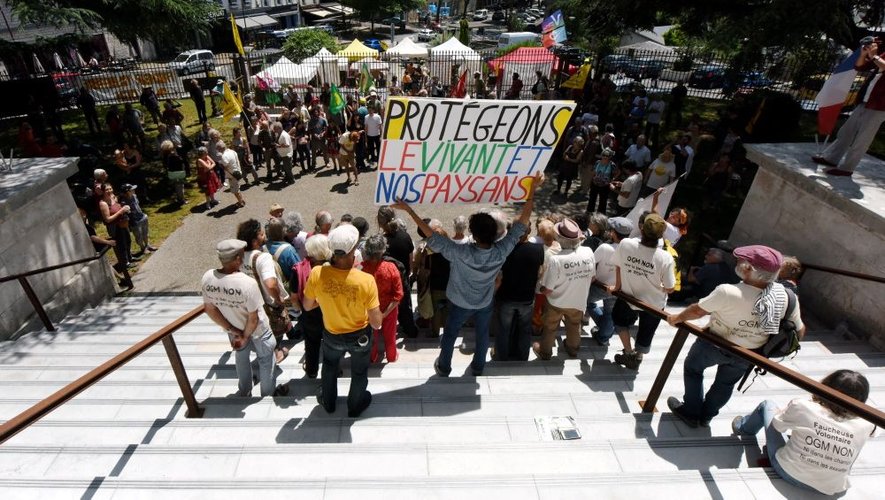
[(311, 322), (295, 234), (460, 225), (390, 293)]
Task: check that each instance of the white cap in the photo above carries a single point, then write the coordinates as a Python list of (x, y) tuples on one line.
[(343, 239)]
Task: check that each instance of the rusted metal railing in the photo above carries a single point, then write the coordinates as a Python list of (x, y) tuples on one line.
[(23, 420), (32, 295)]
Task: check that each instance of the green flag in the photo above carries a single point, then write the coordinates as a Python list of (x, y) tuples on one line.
[(366, 80), (336, 102)]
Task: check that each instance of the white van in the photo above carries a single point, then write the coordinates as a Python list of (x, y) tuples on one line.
[(508, 39), (481, 15), (193, 61)]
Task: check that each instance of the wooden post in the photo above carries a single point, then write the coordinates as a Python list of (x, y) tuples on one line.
[(664, 373)]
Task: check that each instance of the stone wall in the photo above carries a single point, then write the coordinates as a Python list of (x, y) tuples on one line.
[(825, 221), (40, 227)]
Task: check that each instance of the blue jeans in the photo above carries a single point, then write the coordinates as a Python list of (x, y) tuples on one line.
[(602, 315), (729, 371), (334, 347), (263, 345), (761, 419), (457, 317), (514, 337)]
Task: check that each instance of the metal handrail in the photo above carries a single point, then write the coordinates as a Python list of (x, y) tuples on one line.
[(862, 410), (24, 419), (42, 270), (850, 274), (32, 295)]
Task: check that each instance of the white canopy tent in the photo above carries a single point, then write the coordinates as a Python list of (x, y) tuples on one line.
[(286, 72), (371, 63), (329, 66), (453, 54), (407, 49)]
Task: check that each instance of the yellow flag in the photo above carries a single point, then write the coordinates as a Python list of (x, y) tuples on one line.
[(229, 105), (236, 32), (578, 80)]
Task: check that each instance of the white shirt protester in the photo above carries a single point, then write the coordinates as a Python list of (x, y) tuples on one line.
[(660, 173), (236, 295), (731, 314), (822, 447), (645, 272), (373, 125), (284, 144), (267, 269), (568, 275), (605, 263), (631, 185)]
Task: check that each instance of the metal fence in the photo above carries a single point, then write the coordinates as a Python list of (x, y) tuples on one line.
[(438, 73)]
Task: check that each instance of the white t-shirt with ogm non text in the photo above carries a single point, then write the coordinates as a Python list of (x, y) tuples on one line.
[(568, 276), (731, 314), (822, 447), (645, 272), (236, 296)]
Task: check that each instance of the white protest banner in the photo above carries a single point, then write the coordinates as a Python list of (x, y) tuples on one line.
[(466, 151), (644, 205), (125, 87)]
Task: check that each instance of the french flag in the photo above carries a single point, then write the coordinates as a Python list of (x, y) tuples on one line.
[(833, 93)]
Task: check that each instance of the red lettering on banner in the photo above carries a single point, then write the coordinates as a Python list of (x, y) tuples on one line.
[(430, 183), (444, 187), (406, 154), (381, 160)]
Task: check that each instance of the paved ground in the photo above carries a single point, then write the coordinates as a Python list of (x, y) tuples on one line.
[(183, 258)]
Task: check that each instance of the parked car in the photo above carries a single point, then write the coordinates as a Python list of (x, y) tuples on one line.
[(481, 15), (645, 67), (707, 77), (499, 16), (395, 21), (193, 61), (615, 63), (373, 43), (536, 12), (426, 35)]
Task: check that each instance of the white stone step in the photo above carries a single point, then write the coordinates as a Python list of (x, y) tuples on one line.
[(756, 483)]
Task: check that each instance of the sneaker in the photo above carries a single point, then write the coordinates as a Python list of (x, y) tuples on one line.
[(838, 172), (820, 160), (629, 360), (675, 406), (572, 353), (736, 426), (475, 372), (367, 400), (439, 370), (281, 391), (536, 348)]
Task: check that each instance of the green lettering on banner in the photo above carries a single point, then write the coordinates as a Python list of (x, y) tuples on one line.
[(425, 162)]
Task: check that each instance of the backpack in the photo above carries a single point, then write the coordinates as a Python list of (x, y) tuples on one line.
[(780, 345)]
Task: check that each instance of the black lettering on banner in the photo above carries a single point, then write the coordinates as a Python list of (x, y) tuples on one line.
[(449, 105), (480, 127), (502, 124), (518, 127), (425, 125), (462, 121), (395, 109), (412, 110)]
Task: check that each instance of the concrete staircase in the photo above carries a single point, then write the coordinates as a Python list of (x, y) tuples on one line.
[(423, 437)]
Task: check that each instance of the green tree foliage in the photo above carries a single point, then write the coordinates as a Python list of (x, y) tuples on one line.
[(305, 43), (729, 25), (170, 22)]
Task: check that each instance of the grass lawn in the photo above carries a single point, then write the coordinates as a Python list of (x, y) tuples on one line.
[(165, 215)]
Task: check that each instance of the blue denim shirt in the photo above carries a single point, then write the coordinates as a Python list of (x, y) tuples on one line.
[(473, 269)]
